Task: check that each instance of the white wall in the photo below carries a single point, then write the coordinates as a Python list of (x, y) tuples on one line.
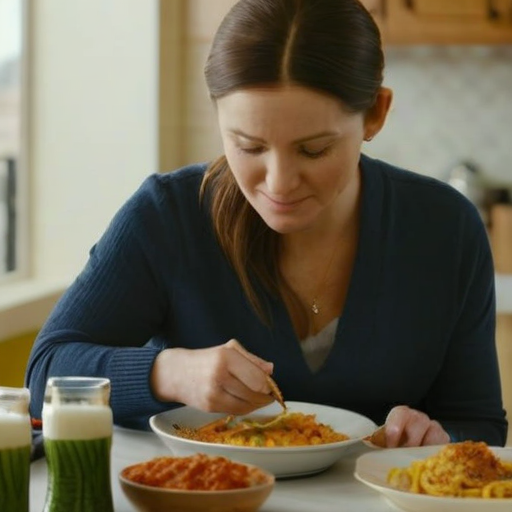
[(93, 77)]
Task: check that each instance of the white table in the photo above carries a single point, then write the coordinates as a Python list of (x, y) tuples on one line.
[(334, 490)]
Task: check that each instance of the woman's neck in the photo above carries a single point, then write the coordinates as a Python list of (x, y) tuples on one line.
[(340, 223)]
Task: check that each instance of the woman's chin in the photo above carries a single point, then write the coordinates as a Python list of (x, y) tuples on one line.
[(286, 226)]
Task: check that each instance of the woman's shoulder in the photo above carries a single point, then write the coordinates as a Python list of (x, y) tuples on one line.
[(165, 195), (407, 177), (189, 176), (179, 185), (404, 185)]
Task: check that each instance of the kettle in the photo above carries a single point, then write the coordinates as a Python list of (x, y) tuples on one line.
[(466, 177)]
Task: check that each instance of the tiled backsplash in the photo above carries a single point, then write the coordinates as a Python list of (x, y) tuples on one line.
[(450, 104)]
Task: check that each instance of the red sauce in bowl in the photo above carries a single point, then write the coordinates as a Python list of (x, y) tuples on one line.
[(198, 472)]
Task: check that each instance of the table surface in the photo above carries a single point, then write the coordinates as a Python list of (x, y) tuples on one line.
[(333, 490)]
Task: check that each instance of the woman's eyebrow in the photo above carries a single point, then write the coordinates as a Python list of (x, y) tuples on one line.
[(246, 135), (319, 135)]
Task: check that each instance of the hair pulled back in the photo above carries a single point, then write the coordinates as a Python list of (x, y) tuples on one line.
[(330, 46)]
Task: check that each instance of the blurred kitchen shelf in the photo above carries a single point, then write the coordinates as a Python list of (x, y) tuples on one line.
[(476, 22), (504, 293)]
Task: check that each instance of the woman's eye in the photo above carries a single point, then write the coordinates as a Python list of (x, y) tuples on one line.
[(252, 150), (314, 153)]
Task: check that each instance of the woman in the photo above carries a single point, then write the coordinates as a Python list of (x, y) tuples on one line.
[(352, 282)]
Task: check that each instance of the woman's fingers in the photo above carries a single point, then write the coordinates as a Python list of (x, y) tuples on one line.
[(436, 434), (225, 378), (224, 401), (395, 426), (248, 370), (246, 399), (410, 427), (266, 366)]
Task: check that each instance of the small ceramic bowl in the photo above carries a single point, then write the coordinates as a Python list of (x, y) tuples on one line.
[(146, 498)]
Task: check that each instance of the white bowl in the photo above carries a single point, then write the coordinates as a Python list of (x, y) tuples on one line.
[(282, 461)]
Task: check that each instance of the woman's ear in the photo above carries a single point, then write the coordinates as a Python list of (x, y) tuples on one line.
[(376, 116)]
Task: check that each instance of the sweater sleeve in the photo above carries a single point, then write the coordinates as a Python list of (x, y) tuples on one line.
[(466, 397), (115, 306)]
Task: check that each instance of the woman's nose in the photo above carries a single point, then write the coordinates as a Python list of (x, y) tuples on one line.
[(282, 175)]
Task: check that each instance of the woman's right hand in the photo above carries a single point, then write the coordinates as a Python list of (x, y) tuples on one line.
[(225, 378)]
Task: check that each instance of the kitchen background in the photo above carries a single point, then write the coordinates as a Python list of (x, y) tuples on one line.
[(451, 104), (113, 99)]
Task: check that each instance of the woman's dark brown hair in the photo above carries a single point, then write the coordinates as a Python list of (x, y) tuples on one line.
[(331, 46)]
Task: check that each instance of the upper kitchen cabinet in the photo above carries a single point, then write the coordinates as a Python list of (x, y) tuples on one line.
[(443, 21)]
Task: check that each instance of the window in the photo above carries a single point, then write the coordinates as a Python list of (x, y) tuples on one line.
[(11, 51)]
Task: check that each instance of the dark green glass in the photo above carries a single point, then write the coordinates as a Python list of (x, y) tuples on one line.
[(79, 475), (14, 479)]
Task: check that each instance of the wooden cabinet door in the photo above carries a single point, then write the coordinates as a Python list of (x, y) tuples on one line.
[(443, 21)]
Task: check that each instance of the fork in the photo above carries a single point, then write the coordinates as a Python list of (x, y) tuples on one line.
[(276, 392)]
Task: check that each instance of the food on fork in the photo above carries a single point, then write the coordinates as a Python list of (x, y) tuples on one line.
[(466, 469), (378, 438), (276, 392)]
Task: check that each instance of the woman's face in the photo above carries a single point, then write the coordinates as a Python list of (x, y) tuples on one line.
[(294, 153)]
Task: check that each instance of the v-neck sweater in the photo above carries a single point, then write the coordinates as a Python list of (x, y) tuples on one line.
[(417, 327)]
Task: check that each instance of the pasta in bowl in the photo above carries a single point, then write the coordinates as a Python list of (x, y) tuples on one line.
[(459, 477), (283, 461), (285, 429)]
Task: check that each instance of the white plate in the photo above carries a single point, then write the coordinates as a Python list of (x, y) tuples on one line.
[(281, 461), (372, 469)]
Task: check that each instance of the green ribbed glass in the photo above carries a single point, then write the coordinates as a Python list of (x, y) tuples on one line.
[(14, 479), (79, 476), (77, 433), (15, 446)]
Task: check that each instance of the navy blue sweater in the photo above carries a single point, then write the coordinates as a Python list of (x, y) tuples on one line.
[(417, 327)]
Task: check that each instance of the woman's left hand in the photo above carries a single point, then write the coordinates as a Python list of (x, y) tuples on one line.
[(410, 427)]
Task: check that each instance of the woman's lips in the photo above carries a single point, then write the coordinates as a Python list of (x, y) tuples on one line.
[(284, 205)]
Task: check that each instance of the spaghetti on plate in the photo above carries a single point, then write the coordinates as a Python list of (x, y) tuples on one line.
[(467, 469)]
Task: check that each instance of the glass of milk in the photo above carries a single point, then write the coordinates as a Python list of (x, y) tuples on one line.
[(77, 434), (15, 445)]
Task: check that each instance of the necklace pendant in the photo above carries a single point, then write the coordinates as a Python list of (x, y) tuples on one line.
[(314, 307)]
